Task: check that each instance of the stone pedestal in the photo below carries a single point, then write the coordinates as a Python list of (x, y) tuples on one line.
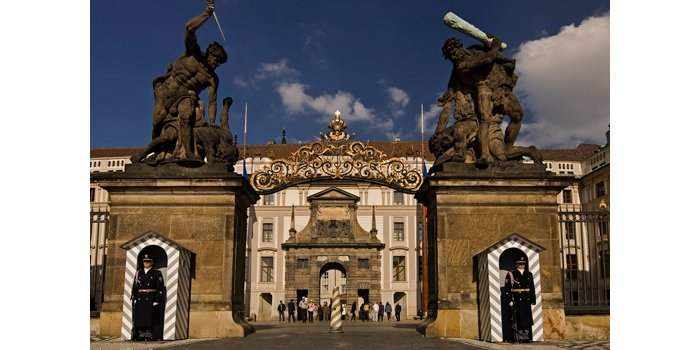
[(468, 211), (202, 209)]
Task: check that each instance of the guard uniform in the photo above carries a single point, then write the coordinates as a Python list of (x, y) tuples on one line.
[(148, 298), (521, 288)]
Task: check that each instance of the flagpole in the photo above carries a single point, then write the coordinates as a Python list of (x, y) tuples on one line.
[(421, 130), (245, 138)]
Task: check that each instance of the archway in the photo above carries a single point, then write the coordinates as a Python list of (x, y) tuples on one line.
[(332, 275), (506, 263)]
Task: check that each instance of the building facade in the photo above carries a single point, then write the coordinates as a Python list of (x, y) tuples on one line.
[(380, 260)]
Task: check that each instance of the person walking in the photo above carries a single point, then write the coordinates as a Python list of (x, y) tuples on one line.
[(375, 312), (291, 308), (380, 315), (353, 309), (343, 312), (398, 312), (281, 308), (365, 311), (312, 309), (387, 309)]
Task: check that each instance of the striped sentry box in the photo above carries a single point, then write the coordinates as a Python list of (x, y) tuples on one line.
[(177, 285), (489, 287)]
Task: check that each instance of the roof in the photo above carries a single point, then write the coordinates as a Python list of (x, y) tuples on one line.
[(391, 148), (580, 153)]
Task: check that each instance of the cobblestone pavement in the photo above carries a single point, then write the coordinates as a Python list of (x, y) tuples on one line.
[(584, 345), (357, 335)]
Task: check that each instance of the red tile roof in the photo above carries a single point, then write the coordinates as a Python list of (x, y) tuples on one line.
[(391, 148)]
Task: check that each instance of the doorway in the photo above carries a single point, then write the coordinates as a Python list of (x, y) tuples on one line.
[(160, 263), (265, 307), (362, 296), (506, 263), (331, 275)]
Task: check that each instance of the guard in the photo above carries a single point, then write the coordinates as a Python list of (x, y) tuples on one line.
[(521, 287), (148, 296)]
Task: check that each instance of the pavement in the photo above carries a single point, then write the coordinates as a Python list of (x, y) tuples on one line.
[(356, 335)]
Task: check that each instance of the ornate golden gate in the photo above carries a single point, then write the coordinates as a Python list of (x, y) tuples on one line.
[(335, 157)]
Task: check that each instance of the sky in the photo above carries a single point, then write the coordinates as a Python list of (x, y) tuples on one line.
[(295, 62)]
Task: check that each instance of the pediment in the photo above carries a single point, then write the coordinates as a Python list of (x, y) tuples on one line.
[(333, 193)]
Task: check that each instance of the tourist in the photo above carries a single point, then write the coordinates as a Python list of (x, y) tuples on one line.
[(398, 312), (365, 312), (387, 309), (380, 315), (343, 312), (312, 309), (322, 311), (303, 305), (353, 309), (375, 312), (290, 310), (281, 308)]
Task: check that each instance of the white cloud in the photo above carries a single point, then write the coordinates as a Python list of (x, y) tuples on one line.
[(275, 70), (296, 100), (399, 100), (565, 82), (240, 82)]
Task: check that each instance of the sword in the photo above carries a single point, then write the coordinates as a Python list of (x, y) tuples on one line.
[(210, 4), (219, 25)]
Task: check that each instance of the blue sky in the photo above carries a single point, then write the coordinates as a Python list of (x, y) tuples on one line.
[(294, 62)]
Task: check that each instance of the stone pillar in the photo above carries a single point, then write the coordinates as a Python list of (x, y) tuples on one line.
[(202, 209), (468, 211)]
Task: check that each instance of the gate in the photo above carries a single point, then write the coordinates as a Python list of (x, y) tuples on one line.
[(99, 217), (585, 260)]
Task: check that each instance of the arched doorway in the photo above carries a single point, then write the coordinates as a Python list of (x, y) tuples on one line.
[(265, 307), (160, 262), (400, 299), (332, 275), (506, 263)]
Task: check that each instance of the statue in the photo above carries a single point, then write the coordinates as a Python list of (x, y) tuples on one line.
[(481, 89), (180, 132)]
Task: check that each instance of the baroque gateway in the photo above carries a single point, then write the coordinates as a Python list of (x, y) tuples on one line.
[(371, 248)]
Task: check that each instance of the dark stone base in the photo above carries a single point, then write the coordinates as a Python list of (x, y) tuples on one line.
[(501, 169)]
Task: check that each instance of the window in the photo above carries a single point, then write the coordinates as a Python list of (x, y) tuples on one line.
[(267, 232), (570, 228), (600, 189), (398, 198), (571, 266), (92, 195), (269, 199), (266, 269), (399, 267), (567, 196), (363, 263), (398, 231), (302, 263)]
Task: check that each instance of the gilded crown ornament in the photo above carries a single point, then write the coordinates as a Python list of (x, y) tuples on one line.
[(337, 128)]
